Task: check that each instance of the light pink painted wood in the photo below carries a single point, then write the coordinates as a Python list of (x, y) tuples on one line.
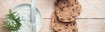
[(90, 8), (84, 25), (2, 25), (91, 25)]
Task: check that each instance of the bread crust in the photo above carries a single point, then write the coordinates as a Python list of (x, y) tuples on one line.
[(67, 10), (62, 26), (64, 16)]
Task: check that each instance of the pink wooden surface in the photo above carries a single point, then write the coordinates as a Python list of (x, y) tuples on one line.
[(91, 9), (2, 25), (84, 25)]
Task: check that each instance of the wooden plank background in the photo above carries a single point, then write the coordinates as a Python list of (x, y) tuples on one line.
[(91, 9)]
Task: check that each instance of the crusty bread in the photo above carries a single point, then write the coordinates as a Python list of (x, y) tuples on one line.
[(59, 26), (64, 16), (67, 10)]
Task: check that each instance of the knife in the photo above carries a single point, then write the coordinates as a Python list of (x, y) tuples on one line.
[(33, 16)]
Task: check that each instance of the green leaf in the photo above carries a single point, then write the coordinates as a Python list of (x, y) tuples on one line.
[(13, 24)]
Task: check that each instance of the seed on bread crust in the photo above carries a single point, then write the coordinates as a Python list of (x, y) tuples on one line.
[(67, 8), (59, 26), (64, 16)]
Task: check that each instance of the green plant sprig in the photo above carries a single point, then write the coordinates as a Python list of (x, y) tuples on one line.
[(13, 22)]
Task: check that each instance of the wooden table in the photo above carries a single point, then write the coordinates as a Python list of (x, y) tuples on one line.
[(92, 9), (91, 18)]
